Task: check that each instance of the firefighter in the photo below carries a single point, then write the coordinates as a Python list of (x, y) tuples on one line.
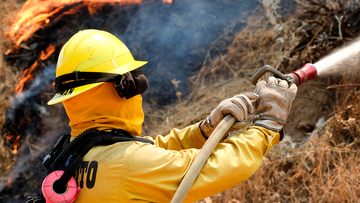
[(100, 88)]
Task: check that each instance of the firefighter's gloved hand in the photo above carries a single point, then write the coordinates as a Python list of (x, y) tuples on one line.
[(240, 106), (276, 97)]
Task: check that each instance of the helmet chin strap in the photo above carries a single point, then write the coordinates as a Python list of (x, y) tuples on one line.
[(127, 85)]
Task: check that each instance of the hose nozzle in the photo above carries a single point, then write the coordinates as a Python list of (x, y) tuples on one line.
[(307, 72)]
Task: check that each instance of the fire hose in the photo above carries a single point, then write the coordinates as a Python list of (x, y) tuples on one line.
[(298, 77), (201, 158)]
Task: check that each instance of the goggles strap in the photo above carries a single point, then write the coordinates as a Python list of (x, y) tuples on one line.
[(77, 79), (127, 85)]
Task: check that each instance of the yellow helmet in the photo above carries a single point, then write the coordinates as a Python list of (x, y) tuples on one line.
[(87, 53)]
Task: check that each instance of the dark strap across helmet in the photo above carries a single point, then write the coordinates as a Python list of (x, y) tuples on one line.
[(126, 85), (77, 79)]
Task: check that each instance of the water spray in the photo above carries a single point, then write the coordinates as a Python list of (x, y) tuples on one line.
[(298, 77)]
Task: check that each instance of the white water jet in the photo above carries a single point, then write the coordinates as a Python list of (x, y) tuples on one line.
[(337, 60)]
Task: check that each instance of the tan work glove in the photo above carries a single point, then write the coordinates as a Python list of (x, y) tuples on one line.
[(276, 97), (240, 106)]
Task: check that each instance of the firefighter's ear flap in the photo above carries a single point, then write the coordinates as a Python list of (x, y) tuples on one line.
[(131, 84)]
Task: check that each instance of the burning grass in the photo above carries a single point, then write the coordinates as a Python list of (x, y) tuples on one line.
[(8, 80)]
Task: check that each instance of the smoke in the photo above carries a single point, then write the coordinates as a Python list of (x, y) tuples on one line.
[(36, 86), (175, 38), (30, 157), (25, 101), (26, 98)]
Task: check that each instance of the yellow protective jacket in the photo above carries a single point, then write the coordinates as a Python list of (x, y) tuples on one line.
[(139, 172)]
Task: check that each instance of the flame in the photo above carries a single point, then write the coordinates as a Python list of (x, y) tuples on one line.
[(9, 181), (27, 75), (24, 77), (36, 14), (16, 144), (49, 50)]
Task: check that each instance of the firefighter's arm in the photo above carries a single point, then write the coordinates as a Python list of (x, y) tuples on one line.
[(189, 137), (240, 106), (156, 173)]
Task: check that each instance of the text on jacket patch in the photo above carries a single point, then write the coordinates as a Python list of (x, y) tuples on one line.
[(86, 173)]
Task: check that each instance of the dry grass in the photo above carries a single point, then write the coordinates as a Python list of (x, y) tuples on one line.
[(8, 80)]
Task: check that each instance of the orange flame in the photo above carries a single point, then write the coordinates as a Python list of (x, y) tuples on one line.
[(27, 75), (8, 52), (24, 77), (36, 14), (16, 144), (49, 50), (9, 181)]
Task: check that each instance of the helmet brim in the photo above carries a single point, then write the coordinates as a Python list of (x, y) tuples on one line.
[(59, 97)]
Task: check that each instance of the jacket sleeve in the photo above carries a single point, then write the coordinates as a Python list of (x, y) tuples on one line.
[(189, 137), (154, 173)]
